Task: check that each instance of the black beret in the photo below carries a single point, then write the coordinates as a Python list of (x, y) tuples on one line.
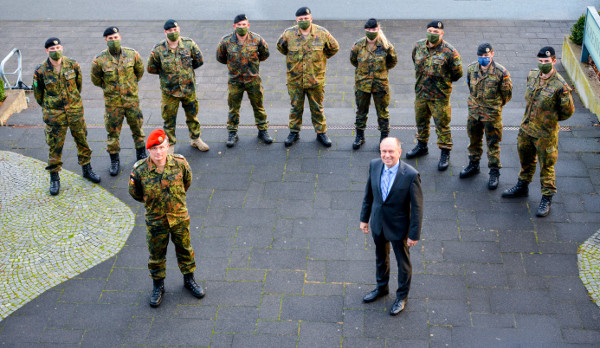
[(110, 31), (170, 24), (436, 24), (303, 11), (484, 48), (239, 18), (546, 51), (371, 23), (53, 41)]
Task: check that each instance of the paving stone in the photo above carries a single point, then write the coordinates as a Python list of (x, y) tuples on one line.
[(550, 264), (360, 342), (493, 320), (521, 301), (312, 308), (471, 251), (236, 319), (319, 334), (448, 313), (278, 259), (407, 326), (284, 282), (169, 331), (232, 293), (264, 340), (279, 327)]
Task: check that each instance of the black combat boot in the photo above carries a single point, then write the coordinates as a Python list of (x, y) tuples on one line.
[(420, 150), (157, 292), (470, 170), (444, 160), (54, 183), (359, 140), (521, 189), (89, 174), (383, 136), (233, 138), (544, 208), (190, 284), (291, 139), (494, 178), (324, 139), (140, 153), (264, 136), (115, 164)]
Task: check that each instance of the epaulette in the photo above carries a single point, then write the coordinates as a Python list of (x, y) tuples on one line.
[(138, 163), (318, 27), (359, 41), (178, 156), (225, 37)]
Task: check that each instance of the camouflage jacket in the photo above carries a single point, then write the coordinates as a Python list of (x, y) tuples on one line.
[(548, 101), (372, 66), (176, 67), (306, 58), (242, 60), (118, 78), (489, 91), (57, 92), (163, 193), (435, 69)]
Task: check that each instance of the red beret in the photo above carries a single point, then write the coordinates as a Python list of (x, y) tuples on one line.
[(156, 138)]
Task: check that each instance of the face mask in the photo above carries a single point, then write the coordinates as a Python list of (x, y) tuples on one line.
[(114, 46), (304, 24), (55, 55), (545, 68), (242, 31), (484, 61), (173, 36), (371, 35), (433, 38)]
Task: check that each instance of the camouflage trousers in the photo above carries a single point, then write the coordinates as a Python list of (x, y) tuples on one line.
[(234, 100), (315, 97), (493, 137), (55, 138), (381, 101), (113, 122), (530, 151), (170, 105), (157, 239), (441, 112)]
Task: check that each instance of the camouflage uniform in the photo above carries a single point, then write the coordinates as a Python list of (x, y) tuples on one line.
[(306, 61), (548, 101), (58, 93), (435, 68), (243, 62), (489, 91), (166, 211), (118, 77), (371, 78), (178, 83)]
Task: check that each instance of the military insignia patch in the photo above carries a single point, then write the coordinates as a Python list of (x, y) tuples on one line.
[(132, 181), (487, 49), (175, 24), (55, 42), (160, 139), (548, 53), (440, 25), (115, 30), (307, 11)]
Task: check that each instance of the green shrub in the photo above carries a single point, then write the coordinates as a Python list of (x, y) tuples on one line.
[(2, 95), (577, 30)]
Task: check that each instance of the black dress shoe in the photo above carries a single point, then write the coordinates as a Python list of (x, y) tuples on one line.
[(324, 139), (375, 294), (291, 139), (398, 306)]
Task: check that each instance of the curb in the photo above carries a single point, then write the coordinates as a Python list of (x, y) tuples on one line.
[(571, 54), (15, 102)]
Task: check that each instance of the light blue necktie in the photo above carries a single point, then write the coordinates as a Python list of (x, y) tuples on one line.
[(385, 183)]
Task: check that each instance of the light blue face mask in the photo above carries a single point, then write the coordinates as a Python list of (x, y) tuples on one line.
[(484, 61)]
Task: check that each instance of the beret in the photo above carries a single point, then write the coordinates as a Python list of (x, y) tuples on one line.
[(110, 31), (484, 48), (371, 23), (170, 24), (435, 24), (303, 11), (239, 18), (546, 51), (53, 41), (156, 138)]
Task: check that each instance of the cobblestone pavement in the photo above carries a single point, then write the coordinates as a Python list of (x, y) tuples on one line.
[(588, 260)]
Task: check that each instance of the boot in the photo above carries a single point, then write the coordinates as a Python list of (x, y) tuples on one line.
[(444, 160), (359, 140), (383, 136), (291, 139), (521, 189), (494, 178), (323, 139), (544, 208), (89, 174), (115, 164), (140, 153), (199, 144), (190, 284), (54, 183), (470, 170), (264, 136), (419, 150), (157, 292), (233, 138)]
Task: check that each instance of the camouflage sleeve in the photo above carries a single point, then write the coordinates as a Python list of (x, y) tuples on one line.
[(97, 74), (456, 70), (566, 107), (153, 66), (136, 191), (222, 53), (263, 50), (38, 87), (282, 45), (138, 66), (331, 46), (413, 53), (505, 88), (79, 80), (197, 59), (391, 59), (354, 56), (187, 175)]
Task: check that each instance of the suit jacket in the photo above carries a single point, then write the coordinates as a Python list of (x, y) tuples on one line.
[(401, 213)]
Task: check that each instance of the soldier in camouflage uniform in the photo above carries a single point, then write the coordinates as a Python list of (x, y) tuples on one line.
[(174, 60), (490, 89), (307, 47), (56, 87), (549, 100), (117, 70), (437, 65), (373, 56), (161, 182), (243, 51)]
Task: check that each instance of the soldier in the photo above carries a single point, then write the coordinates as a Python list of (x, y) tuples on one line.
[(161, 182), (174, 60), (549, 100), (117, 70), (307, 47), (373, 56), (57, 88), (437, 65), (490, 89), (243, 51)]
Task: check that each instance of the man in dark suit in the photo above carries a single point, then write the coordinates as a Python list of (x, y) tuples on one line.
[(393, 204)]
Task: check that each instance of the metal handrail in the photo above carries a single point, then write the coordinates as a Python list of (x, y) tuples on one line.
[(19, 84)]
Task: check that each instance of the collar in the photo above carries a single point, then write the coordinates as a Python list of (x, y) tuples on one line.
[(311, 33), (491, 68), (394, 169), (234, 38), (378, 42), (152, 166)]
